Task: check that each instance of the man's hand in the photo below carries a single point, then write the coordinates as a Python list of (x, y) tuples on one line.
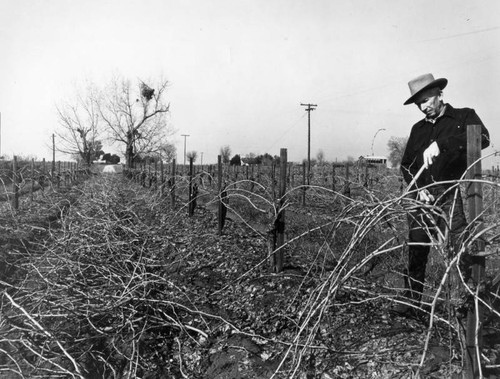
[(430, 153), (425, 196)]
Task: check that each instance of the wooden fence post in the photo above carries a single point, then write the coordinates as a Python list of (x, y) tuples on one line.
[(62, 166), (273, 180), (149, 181), (58, 174), (63, 173), (155, 181), (32, 175), (69, 165), (493, 208), (162, 178), (279, 225), (475, 203), (303, 183), (53, 162), (15, 184), (172, 184), (44, 173), (333, 176), (347, 185), (210, 175), (367, 177), (190, 189), (221, 210)]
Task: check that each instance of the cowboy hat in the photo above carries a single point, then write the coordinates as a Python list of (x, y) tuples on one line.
[(423, 82)]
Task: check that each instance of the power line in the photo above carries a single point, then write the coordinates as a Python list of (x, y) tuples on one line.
[(294, 124), (462, 34)]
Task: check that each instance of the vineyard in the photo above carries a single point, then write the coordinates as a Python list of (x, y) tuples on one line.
[(27, 177), (217, 271)]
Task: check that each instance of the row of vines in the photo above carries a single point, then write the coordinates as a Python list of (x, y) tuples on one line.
[(131, 277)]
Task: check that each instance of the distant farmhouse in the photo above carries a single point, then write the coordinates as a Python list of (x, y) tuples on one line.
[(373, 160)]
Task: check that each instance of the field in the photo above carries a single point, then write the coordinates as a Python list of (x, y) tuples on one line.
[(109, 276)]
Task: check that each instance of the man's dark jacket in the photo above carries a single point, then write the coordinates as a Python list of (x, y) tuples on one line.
[(449, 131)]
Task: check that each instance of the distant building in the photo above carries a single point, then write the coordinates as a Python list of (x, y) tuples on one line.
[(373, 159)]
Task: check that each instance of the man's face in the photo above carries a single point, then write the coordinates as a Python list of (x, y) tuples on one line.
[(429, 102)]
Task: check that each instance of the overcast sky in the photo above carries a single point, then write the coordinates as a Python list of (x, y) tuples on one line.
[(239, 70)]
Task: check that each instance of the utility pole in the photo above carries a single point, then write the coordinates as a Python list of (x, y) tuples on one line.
[(310, 107), (185, 136)]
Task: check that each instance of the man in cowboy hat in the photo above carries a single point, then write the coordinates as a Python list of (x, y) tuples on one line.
[(438, 142)]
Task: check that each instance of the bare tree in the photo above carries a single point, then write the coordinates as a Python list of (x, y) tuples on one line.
[(320, 156), (136, 116), (193, 155), (168, 152), (80, 126), (396, 147), (225, 153)]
